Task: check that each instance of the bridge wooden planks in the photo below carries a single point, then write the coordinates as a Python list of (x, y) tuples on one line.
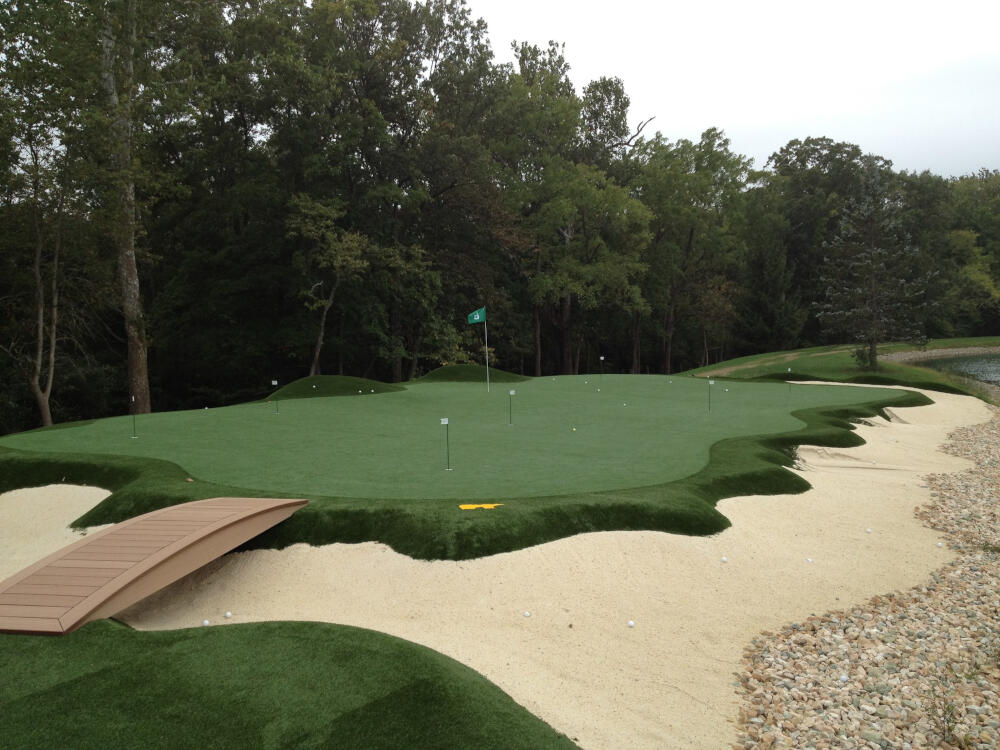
[(104, 573)]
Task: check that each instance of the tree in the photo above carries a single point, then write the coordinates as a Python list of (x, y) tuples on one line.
[(330, 257), (769, 311), (47, 242), (815, 177), (874, 285), (691, 190)]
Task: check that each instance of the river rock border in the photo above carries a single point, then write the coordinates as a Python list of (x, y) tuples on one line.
[(914, 669)]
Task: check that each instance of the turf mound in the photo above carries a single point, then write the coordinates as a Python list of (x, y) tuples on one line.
[(232, 687), (470, 374), (316, 386)]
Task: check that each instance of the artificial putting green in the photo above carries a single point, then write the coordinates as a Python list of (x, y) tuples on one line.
[(646, 453), (555, 436), (262, 685)]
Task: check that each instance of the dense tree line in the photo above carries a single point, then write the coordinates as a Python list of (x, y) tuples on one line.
[(200, 197)]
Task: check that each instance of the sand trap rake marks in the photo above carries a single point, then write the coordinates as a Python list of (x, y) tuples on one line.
[(105, 573)]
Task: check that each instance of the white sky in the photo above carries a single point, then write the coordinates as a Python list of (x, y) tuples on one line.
[(916, 82)]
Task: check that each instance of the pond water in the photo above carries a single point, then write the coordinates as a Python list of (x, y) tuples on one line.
[(982, 367)]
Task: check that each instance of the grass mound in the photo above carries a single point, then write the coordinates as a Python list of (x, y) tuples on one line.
[(274, 685), (470, 374), (320, 386)]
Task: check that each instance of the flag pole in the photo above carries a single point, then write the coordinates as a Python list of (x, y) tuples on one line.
[(486, 332)]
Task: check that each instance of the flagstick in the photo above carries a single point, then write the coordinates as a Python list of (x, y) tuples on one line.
[(486, 332)]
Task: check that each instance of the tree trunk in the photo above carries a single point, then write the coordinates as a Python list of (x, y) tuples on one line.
[(636, 359), (567, 339), (325, 309), (873, 355), (668, 344), (538, 343), (120, 113), (43, 394)]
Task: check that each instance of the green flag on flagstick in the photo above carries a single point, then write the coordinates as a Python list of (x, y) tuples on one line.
[(479, 316)]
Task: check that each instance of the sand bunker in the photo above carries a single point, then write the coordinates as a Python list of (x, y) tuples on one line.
[(550, 624)]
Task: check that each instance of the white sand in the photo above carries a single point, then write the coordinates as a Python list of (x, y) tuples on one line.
[(35, 522), (668, 681)]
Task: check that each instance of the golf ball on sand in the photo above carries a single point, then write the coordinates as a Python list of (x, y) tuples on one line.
[(228, 614), (204, 622), (725, 559), (631, 623), (527, 614)]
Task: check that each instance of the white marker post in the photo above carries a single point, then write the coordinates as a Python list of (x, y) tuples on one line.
[(710, 384), (602, 367), (274, 384), (134, 435), (447, 452), (510, 408)]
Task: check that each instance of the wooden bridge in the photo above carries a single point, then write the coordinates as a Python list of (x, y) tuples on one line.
[(112, 569)]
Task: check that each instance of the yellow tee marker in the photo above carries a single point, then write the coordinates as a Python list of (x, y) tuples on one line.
[(487, 506)]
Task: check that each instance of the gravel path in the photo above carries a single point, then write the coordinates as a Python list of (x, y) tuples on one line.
[(914, 669)]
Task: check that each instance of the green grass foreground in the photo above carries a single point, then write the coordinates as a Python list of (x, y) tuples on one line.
[(643, 452), (263, 685)]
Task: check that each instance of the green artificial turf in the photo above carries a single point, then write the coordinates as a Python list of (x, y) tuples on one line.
[(373, 465), (263, 685)]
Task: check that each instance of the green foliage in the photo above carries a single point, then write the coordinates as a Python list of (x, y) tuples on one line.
[(279, 684)]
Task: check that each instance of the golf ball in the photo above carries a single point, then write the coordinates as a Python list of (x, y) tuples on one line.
[(359, 391), (574, 429), (809, 559), (725, 559), (727, 390), (940, 544), (843, 678), (631, 623), (204, 622), (868, 531), (527, 614), (228, 614), (373, 390), (314, 385), (598, 390), (624, 404)]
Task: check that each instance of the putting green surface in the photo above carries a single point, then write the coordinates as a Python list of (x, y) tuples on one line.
[(566, 435)]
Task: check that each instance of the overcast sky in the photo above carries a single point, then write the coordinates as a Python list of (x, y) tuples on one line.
[(915, 82)]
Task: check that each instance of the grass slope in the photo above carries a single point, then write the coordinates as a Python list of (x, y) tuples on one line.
[(373, 465), (264, 685), (836, 364)]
